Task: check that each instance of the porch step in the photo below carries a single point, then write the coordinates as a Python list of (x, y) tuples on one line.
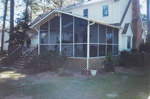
[(19, 64)]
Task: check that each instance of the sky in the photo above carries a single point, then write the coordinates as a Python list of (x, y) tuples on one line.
[(143, 6)]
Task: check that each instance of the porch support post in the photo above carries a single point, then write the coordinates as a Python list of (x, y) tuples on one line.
[(60, 35), (38, 41)]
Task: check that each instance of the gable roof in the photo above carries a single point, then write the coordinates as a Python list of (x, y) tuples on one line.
[(57, 12)]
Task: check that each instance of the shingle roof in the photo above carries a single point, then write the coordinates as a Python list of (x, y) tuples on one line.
[(125, 28)]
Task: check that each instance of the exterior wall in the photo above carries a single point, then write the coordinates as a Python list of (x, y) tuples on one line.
[(6, 38), (34, 41), (95, 11)]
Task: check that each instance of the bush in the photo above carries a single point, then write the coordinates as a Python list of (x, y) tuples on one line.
[(124, 58), (48, 61), (109, 63), (145, 47)]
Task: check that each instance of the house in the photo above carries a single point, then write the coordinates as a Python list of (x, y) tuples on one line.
[(89, 31), (6, 38)]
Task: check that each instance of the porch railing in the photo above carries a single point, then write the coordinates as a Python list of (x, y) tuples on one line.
[(15, 54), (28, 56)]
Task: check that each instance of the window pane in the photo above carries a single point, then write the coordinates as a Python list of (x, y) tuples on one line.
[(80, 30), (102, 50), (67, 50), (94, 33), (115, 49), (102, 34), (129, 42), (93, 50), (109, 49), (44, 48), (105, 10), (109, 35), (85, 12), (67, 29), (80, 50), (44, 34), (115, 36), (54, 30)]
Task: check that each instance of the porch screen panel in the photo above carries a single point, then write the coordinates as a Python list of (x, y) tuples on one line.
[(45, 48), (67, 29), (116, 37), (54, 30), (102, 34), (67, 50), (80, 50), (102, 50), (94, 33), (44, 33), (93, 50), (109, 35), (80, 30)]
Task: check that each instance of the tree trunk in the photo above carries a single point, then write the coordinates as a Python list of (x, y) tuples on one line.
[(3, 30), (148, 19), (11, 25)]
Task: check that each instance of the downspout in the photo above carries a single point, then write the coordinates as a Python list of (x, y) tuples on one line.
[(88, 44)]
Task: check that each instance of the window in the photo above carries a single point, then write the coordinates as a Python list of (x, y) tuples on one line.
[(129, 42), (105, 11), (85, 12)]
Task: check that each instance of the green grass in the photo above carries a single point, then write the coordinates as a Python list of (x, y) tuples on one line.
[(126, 86)]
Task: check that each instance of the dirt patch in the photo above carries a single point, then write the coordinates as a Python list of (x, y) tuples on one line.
[(124, 70), (18, 97)]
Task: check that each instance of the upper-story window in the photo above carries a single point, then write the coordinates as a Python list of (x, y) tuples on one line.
[(85, 12), (105, 11)]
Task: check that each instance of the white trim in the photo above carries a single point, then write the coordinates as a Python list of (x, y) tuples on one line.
[(60, 35), (39, 41), (58, 11)]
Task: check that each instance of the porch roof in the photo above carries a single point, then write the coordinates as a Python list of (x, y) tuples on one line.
[(57, 12)]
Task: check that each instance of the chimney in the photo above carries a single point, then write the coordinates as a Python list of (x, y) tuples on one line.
[(136, 24)]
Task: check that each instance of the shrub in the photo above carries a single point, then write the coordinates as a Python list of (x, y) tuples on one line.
[(124, 58), (50, 60), (145, 47), (109, 63)]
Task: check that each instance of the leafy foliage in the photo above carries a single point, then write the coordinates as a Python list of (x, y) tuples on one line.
[(109, 63), (50, 60), (145, 47)]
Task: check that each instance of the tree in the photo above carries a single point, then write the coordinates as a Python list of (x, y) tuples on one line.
[(148, 19), (11, 26), (3, 30)]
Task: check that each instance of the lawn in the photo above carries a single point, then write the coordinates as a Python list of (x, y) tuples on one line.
[(131, 85)]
